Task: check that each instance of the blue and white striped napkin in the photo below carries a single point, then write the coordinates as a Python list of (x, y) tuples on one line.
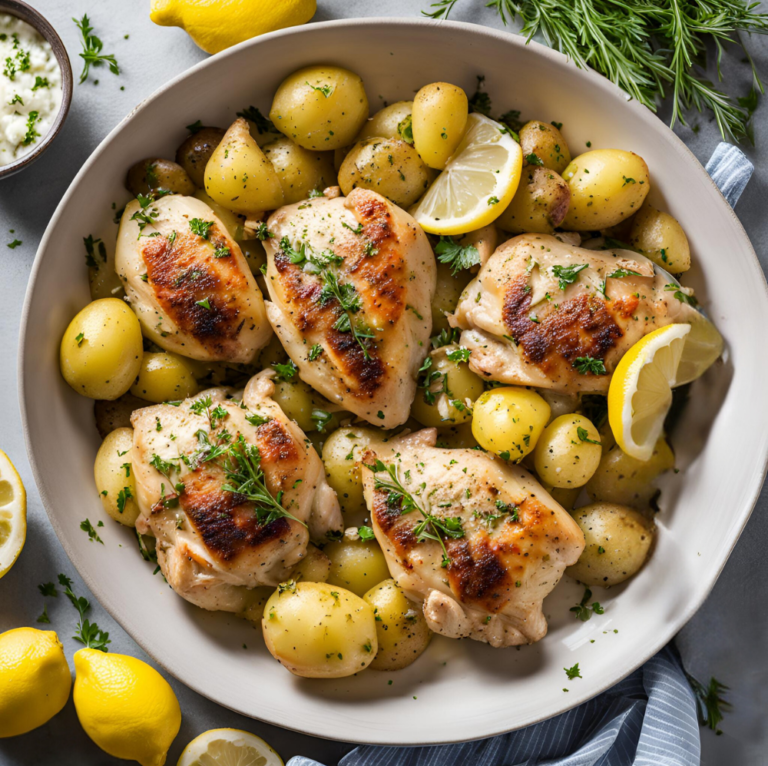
[(648, 719)]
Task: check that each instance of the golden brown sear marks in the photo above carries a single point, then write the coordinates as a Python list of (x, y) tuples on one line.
[(389, 518), (200, 293)]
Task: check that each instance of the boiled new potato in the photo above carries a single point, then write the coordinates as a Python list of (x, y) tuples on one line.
[(314, 567), (447, 293), (156, 174), (390, 167), (342, 454), (386, 122), (164, 377), (660, 237), (317, 630), (440, 112), (400, 627), (453, 389), (618, 540), (239, 176), (357, 565), (320, 107), (566, 497), (114, 477), (101, 350), (300, 170), (298, 401), (568, 452), (622, 479), (195, 151), (546, 143), (256, 601), (607, 186), (540, 203), (509, 421)]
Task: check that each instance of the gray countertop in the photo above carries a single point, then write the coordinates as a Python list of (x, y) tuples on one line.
[(726, 638)]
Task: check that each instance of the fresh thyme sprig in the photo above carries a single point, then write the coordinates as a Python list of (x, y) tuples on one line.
[(92, 50), (88, 633)]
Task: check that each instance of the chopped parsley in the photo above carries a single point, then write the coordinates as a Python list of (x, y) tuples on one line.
[(621, 273), (533, 159), (92, 247), (205, 304), (460, 354), (314, 352), (587, 365), (262, 232), (87, 633), (583, 435), (86, 526), (573, 672), (326, 90), (584, 610), (567, 275), (201, 228), (221, 251), (263, 125), (256, 420), (457, 256), (365, 533), (92, 46), (321, 419), (285, 371), (31, 133), (13, 245)]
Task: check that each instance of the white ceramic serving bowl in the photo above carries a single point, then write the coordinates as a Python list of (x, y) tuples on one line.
[(458, 690)]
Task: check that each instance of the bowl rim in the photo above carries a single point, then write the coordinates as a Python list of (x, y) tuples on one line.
[(596, 80), (35, 19)]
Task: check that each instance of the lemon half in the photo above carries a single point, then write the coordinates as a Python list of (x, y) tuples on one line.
[(229, 747), (478, 182), (13, 514)]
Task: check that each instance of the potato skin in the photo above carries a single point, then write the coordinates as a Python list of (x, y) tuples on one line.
[(660, 237), (390, 167), (385, 122), (342, 454), (357, 565), (440, 112), (547, 143), (618, 541), (164, 377), (400, 627), (314, 567), (302, 111), (562, 458), (300, 170), (447, 293), (114, 477), (607, 186), (107, 358), (298, 400), (157, 174), (509, 420), (317, 630), (540, 203), (195, 151)]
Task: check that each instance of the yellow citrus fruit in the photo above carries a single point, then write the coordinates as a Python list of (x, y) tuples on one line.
[(13, 514), (478, 182), (125, 706), (217, 25), (228, 747), (640, 393), (34, 679)]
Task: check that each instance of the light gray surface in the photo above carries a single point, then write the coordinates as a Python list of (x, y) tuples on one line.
[(728, 636)]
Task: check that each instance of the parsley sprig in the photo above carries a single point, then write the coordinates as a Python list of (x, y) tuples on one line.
[(457, 256), (87, 633), (92, 47), (584, 610)]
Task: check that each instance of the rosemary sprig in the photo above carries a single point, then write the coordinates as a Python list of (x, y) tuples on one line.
[(710, 702)]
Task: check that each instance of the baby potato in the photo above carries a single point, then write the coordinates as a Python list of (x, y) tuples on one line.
[(156, 174), (447, 293), (257, 600), (440, 113), (317, 630), (566, 497), (164, 377), (400, 627), (298, 401), (320, 107), (300, 170), (660, 237), (618, 540), (390, 167), (239, 176), (568, 452), (451, 383), (509, 421), (101, 350), (195, 151), (342, 453), (622, 479), (114, 477), (607, 186), (314, 567), (386, 122), (546, 142), (357, 565), (540, 203)]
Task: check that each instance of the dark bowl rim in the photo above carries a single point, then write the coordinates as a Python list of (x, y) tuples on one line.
[(36, 19)]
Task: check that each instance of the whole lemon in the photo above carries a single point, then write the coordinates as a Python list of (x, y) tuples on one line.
[(215, 26), (34, 679), (126, 707)]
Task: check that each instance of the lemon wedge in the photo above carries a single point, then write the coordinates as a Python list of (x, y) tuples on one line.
[(478, 182), (229, 747), (703, 346), (13, 514), (640, 393)]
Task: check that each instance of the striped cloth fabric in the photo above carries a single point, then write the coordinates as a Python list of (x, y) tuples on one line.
[(648, 719)]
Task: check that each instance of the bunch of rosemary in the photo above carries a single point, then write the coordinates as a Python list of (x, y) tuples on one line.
[(649, 48)]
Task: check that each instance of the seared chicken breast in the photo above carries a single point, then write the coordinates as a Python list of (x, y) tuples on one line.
[(545, 313), (188, 281), (472, 537), (351, 282), (231, 490)]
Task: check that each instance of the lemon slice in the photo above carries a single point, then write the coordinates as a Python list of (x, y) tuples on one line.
[(703, 347), (13, 514), (478, 182), (229, 747), (640, 393)]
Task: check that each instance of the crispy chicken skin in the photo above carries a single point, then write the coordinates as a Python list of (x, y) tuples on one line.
[(211, 546), (193, 295), (523, 328), (515, 546), (382, 253)]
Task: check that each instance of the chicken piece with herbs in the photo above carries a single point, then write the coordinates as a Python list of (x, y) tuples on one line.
[(231, 490)]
